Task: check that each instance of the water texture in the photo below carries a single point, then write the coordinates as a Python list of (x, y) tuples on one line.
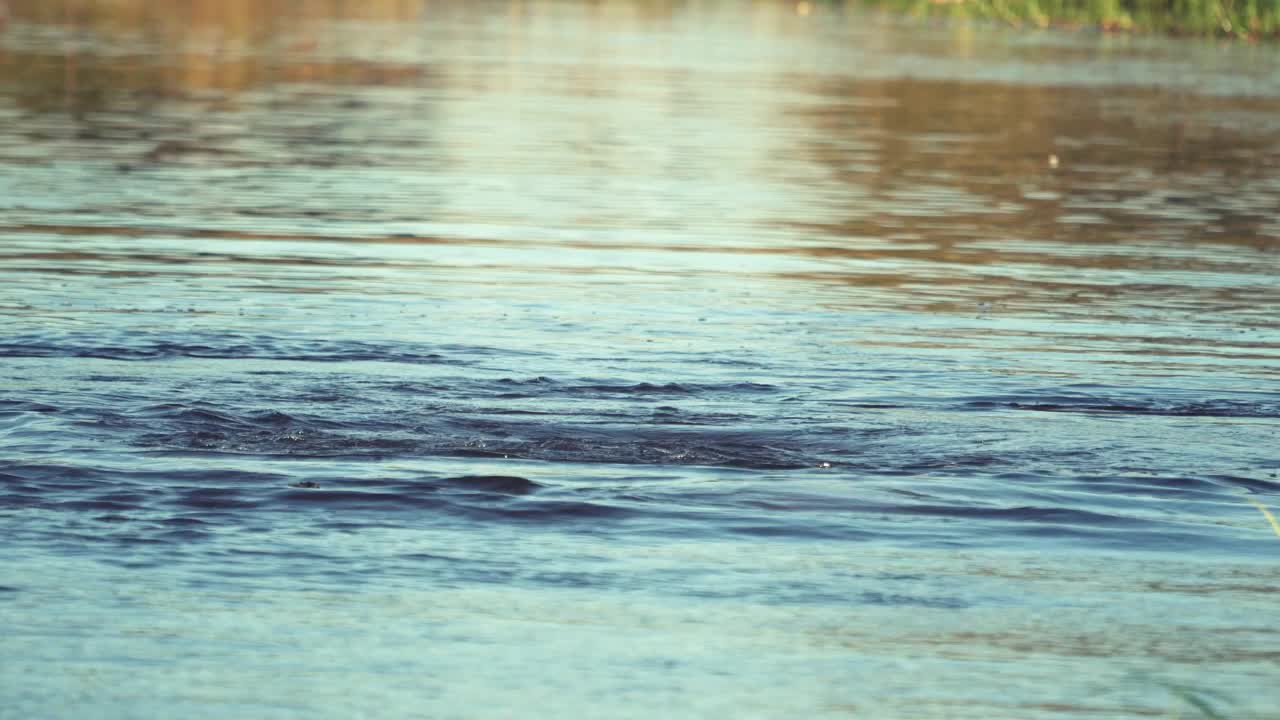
[(634, 360)]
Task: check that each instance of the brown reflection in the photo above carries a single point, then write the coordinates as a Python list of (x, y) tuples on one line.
[(98, 56), (243, 18), (951, 162)]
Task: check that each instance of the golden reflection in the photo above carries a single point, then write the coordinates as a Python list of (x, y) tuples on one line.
[(242, 18), (168, 49)]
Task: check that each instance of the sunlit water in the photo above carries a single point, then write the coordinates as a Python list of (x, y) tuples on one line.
[(470, 360)]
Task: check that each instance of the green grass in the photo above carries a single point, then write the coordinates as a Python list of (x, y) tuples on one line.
[(1246, 19)]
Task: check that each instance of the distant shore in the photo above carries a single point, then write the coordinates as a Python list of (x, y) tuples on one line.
[(1241, 19)]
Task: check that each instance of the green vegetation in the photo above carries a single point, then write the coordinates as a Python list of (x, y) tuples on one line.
[(1246, 19)]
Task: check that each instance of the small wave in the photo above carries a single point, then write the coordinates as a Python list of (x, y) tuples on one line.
[(299, 443), (1252, 484), (206, 417), (668, 415), (208, 428), (643, 388), (1027, 514), (501, 484), (646, 440), (544, 386), (104, 505), (22, 406), (1169, 486), (360, 500), (214, 499), (53, 475), (899, 600), (485, 495), (551, 511), (1093, 404), (237, 346), (184, 522), (628, 449)]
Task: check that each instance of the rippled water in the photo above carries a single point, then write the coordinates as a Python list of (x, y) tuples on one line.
[(632, 360)]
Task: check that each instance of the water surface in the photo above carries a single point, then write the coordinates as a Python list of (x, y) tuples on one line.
[(632, 360)]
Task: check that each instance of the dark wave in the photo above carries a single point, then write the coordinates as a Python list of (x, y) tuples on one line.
[(174, 507), (231, 346), (354, 499), (22, 406), (1170, 486), (549, 511), (664, 437), (499, 484), (1103, 405), (1050, 515), (543, 386), (208, 428), (630, 447), (212, 498)]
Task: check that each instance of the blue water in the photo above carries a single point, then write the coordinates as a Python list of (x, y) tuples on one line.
[(557, 360)]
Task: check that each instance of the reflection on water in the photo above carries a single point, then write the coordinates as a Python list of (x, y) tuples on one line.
[(721, 357)]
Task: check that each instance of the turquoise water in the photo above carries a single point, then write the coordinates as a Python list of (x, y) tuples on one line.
[(632, 360)]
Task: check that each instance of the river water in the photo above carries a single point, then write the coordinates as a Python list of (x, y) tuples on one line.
[(633, 360)]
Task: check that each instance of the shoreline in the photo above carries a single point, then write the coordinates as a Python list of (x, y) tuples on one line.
[(1251, 21)]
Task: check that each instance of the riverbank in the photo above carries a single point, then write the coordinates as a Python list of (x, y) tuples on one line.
[(1243, 19)]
